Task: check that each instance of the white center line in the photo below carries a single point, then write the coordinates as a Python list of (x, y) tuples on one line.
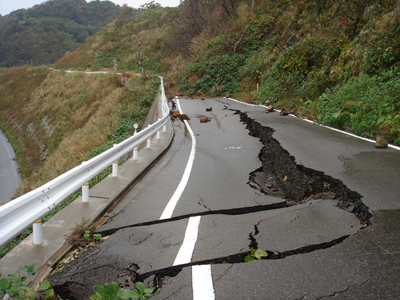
[(203, 288), (169, 209), (202, 284), (186, 251)]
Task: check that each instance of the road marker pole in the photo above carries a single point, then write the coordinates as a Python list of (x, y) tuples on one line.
[(115, 169), (37, 233), (149, 143), (85, 192), (135, 153), (159, 131)]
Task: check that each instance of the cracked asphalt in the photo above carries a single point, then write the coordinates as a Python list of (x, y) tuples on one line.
[(316, 250)]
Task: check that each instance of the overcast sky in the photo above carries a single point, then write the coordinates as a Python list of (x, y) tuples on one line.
[(7, 6)]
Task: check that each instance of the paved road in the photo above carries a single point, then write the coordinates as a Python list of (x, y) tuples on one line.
[(324, 205), (9, 176)]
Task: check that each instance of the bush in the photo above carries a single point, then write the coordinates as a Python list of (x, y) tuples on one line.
[(365, 104)]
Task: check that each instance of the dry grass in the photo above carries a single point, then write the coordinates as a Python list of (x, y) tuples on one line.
[(73, 114)]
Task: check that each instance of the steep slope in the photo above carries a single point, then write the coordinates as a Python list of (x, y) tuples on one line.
[(43, 33), (336, 62), (76, 116)]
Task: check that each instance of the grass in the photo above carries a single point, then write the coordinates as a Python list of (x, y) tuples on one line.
[(105, 111)]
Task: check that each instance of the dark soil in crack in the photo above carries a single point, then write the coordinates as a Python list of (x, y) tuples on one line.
[(77, 279), (69, 286), (280, 176)]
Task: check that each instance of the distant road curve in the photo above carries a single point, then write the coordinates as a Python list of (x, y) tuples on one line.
[(9, 176), (87, 72)]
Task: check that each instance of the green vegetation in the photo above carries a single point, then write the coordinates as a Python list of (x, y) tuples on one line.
[(255, 254), (43, 33), (132, 42), (365, 104), (114, 292), (17, 287), (77, 116), (303, 54), (104, 115), (334, 62), (82, 235)]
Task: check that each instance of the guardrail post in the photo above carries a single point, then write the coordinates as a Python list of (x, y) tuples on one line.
[(149, 143), (115, 169), (164, 129), (12, 220), (85, 192), (37, 233), (135, 153), (159, 131)]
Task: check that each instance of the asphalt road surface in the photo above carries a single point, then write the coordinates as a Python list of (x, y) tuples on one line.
[(323, 205), (9, 176)]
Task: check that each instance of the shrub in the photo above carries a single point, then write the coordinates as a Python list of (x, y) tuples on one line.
[(365, 104)]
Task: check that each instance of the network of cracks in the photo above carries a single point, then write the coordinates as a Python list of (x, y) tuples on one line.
[(280, 176)]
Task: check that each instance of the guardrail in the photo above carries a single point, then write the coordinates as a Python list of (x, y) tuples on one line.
[(22, 212)]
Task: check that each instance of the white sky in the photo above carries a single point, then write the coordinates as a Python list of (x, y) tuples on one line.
[(7, 6)]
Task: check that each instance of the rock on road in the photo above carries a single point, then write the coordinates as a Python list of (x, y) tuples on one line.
[(324, 206)]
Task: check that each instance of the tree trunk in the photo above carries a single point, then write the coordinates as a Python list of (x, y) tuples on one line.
[(137, 53)]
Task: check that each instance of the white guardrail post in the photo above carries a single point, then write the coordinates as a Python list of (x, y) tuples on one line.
[(159, 132), (115, 169), (37, 232), (149, 143), (135, 154), (85, 192), (22, 212)]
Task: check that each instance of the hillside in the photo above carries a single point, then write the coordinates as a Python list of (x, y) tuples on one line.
[(335, 62), (45, 32), (77, 116)]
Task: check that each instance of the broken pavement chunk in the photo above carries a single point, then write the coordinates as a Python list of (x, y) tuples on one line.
[(381, 143), (183, 117), (205, 119), (270, 108), (174, 113)]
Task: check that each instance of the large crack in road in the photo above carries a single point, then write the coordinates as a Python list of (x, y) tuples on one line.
[(281, 176), (302, 189)]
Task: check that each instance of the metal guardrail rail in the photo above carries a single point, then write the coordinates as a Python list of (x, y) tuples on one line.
[(22, 212)]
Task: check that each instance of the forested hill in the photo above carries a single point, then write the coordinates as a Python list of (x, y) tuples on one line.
[(45, 32), (336, 62)]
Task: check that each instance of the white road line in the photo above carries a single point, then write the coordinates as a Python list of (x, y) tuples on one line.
[(203, 287), (331, 128), (169, 209), (202, 283), (185, 253)]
